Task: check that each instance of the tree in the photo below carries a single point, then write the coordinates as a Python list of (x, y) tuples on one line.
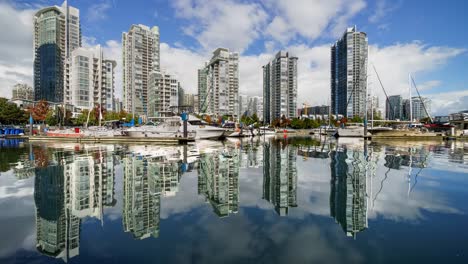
[(356, 119), (40, 110), (297, 123), (51, 118), (276, 122), (112, 116), (255, 118), (81, 118), (10, 113)]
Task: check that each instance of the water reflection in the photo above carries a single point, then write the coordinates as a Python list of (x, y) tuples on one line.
[(68, 188), (148, 175), (74, 183), (218, 180), (280, 175), (348, 196)]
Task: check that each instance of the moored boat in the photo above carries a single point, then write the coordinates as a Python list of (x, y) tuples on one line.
[(350, 131), (169, 128), (204, 131)]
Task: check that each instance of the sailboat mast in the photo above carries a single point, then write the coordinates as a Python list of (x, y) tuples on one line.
[(410, 100)]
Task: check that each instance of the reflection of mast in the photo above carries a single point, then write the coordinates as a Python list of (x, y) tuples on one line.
[(410, 169), (381, 187)]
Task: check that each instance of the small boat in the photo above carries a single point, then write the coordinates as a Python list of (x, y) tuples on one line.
[(239, 133), (266, 131), (204, 131), (66, 133), (350, 131)]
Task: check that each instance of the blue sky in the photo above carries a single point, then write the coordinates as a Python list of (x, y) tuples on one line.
[(425, 38)]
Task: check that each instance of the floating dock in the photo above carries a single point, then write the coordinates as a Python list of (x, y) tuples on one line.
[(116, 139)]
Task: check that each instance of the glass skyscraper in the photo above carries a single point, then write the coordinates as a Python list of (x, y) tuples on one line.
[(349, 74), (57, 33)]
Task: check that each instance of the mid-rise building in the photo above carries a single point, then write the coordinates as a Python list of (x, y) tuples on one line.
[(243, 105), (218, 84), (118, 105), (163, 94), (421, 107), (280, 87), (349, 74), (196, 103), (394, 108), (416, 108), (91, 79), (57, 32), (22, 91), (250, 105), (316, 110), (189, 102), (189, 99), (141, 57)]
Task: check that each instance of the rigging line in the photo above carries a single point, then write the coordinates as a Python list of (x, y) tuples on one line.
[(420, 98), (416, 179), (385, 92), (381, 187)]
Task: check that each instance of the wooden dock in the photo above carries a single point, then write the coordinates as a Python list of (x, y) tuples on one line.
[(117, 139)]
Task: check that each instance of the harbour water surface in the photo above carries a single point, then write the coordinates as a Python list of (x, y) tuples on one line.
[(296, 200)]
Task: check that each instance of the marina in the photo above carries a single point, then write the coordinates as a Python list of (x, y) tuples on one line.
[(273, 192)]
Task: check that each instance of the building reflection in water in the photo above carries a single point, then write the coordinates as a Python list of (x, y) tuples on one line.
[(410, 157), (218, 180), (146, 179), (348, 198), (68, 188), (280, 175)]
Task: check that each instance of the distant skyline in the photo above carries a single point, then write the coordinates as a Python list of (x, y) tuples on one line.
[(421, 37)]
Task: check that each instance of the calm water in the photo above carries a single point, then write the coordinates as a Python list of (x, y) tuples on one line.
[(262, 201)]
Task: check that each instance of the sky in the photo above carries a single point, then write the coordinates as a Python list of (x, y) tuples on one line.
[(425, 38)]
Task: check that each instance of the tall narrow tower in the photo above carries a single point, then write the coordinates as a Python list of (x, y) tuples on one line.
[(349, 74), (140, 58), (57, 33), (280, 87)]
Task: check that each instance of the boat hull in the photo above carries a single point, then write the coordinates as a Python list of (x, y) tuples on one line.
[(151, 134), (210, 133), (350, 132)]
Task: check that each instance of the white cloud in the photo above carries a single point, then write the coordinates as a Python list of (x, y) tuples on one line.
[(16, 53), (97, 11), (310, 18), (450, 102), (383, 8), (222, 23), (395, 62), (184, 64)]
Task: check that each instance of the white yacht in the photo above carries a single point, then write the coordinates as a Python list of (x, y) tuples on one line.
[(170, 127), (202, 130)]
